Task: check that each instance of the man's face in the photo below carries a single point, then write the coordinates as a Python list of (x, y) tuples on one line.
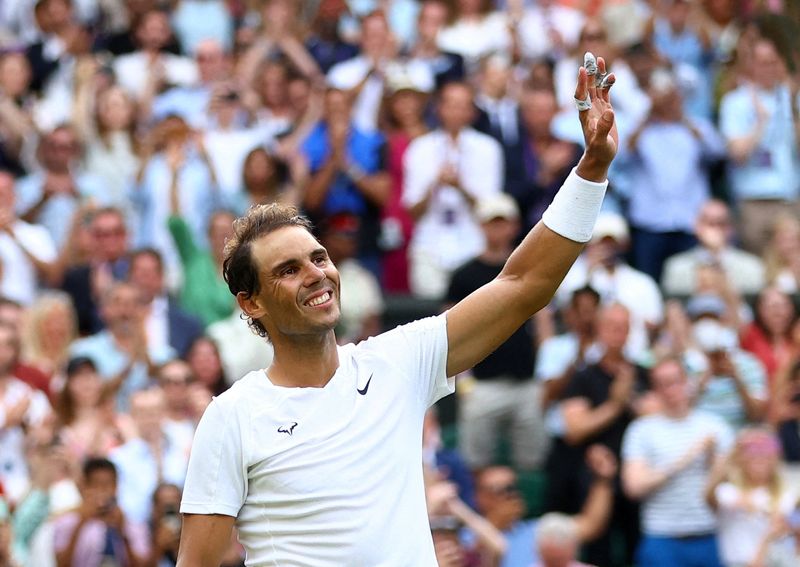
[(671, 384), (147, 275), (154, 31), (60, 148), (456, 109), (374, 35), (123, 306), (432, 18), (538, 110), (147, 411), (584, 312), (299, 285), (558, 554), (498, 495), (110, 236), (613, 327), (100, 487)]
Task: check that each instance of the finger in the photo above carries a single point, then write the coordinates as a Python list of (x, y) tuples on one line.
[(581, 94), (605, 87), (603, 127), (590, 64)]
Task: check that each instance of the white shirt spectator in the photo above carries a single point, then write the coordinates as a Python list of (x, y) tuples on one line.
[(637, 291), (361, 298), (476, 39), (241, 350), (133, 69), (447, 234), (13, 465), (537, 25), (18, 280)]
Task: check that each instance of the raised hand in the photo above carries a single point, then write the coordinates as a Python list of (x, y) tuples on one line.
[(597, 117)]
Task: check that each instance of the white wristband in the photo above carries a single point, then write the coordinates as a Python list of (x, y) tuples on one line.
[(574, 209)]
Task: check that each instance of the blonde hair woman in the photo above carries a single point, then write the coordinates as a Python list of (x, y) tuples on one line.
[(50, 327), (748, 494), (782, 256)]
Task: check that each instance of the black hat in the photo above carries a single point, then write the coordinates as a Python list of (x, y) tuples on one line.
[(77, 364)]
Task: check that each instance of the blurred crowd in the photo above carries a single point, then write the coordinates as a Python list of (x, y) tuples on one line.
[(655, 402)]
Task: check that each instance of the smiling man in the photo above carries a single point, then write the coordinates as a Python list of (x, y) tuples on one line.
[(317, 459)]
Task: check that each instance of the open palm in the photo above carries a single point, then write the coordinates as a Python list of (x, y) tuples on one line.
[(599, 127)]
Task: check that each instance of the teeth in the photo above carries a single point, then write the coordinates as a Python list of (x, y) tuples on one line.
[(320, 300)]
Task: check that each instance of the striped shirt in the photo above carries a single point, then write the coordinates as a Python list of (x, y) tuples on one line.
[(678, 507)]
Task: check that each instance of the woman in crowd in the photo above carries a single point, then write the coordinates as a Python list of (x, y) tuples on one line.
[(206, 364), (769, 336), (748, 494), (475, 30), (50, 327), (782, 256)]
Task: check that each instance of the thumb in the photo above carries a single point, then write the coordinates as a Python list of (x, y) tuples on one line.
[(604, 124)]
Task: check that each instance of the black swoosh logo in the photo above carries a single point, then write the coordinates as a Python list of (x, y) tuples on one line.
[(366, 387)]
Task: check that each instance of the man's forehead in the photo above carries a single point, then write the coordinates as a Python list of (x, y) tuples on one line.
[(284, 244)]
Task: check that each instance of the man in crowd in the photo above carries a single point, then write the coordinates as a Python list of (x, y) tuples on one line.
[(447, 172)]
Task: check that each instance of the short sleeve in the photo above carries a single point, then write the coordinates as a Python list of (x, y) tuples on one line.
[(420, 350), (634, 442), (554, 357), (726, 495), (216, 480)]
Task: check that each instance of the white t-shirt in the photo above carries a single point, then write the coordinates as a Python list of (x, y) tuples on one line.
[(18, 280), (744, 523), (332, 475)]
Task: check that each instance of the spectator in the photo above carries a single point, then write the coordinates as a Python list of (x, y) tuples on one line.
[(51, 196), (758, 120), (786, 411), (99, 531), (559, 357), (770, 336), (733, 384), (664, 204), (749, 495), (597, 406), (475, 30), (26, 250), (174, 379), (365, 75), (443, 463), (445, 173), (603, 267), (548, 30), (105, 119), (504, 402), (536, 167), (88, 424), (179, 161), (206, 366), (348, 174), (240, 351), (666, 458), (499, 501), (557, 541), (151, 66), (86, 282), (166, 324), (444, 65), (782, 255), (149, 458), (165, 525), (714, 231), (325, 44), (205, 294), (497, 107), (15, 316), (266, 178), (121, 350), (196, 21), (404, 109), (23, 409), (16, 106)]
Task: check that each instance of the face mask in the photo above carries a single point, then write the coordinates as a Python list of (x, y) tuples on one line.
[(713, 336)]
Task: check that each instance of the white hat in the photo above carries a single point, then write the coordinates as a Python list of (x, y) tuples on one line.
[(404, 76), (501, 206), (610, 225)]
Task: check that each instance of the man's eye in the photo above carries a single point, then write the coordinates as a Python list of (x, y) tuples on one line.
[(320, 260), (289, 272)]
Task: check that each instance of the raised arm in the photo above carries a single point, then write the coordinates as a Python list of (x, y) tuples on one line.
[(480, 323), (204, 539)]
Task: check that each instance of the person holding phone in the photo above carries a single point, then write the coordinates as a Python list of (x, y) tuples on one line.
[(98, 534)]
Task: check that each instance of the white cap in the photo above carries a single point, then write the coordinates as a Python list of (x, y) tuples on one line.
[(501, 206), (610, 225), (404, 76)]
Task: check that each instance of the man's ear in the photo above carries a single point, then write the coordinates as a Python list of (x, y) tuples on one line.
[(250, 305)]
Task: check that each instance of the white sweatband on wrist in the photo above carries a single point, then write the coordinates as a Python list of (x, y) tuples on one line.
[(574, 209)]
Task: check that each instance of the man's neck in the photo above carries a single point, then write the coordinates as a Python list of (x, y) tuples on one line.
[(425, 48), (304, 362)]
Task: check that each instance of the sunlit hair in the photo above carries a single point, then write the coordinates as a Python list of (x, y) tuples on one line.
[(239, 267), (773, 262), (33, 348), (764, 438)]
